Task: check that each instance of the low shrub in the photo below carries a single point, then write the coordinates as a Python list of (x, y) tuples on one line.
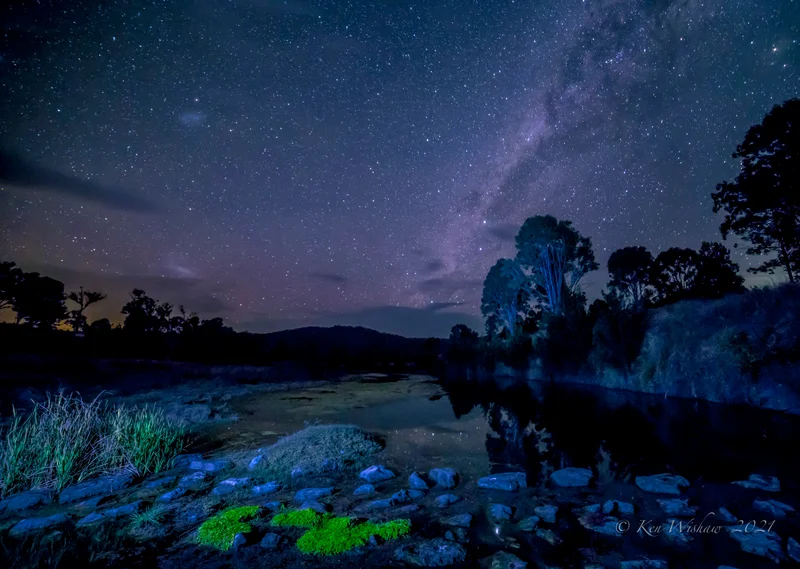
[(65, 440)]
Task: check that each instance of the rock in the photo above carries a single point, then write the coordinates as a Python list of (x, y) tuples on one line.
[(268, 488), (500, 513), (508, 481), (239, 541), (444, 477), (759, 482), (364, 490), (457, 534), (172, 495), (765, 544), (32, 525), (644, 564), (373, 541), (195, 513), (662, 483), (410, 509), (417, 482), (318, 507), (435, 552), (773, 507), (212, 465), (254, 462), (460, 520), (401, 497), (227, 486), (674, 532), (95, 487), (571, 477), (272, 541), (93, 502), (594, 520), (380, 504), (92, 518), (377, 473), (612, 507), (676, 507), (726, 517), (415, 494), (194, 481), (126, 510), (528, 524), (504, 560), (273, 506), (25, 501), (184, 460), (546, 513), (162, 482), (312, 494), (793, 549), (549, 536), (446, 499)]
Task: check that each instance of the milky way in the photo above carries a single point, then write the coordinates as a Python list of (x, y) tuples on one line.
[(366, 163)]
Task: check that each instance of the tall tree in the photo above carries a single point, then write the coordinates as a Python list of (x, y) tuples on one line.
[(675, 274), (556, 257), (630, 270), (10, 279), (145, 314), (762, 205), (39, 301), (718, 274), (505, 296), (83, 298)]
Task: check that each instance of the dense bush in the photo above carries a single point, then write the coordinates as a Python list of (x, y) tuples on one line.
[(65, 440)]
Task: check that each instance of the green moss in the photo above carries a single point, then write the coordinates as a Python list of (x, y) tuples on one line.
[(220, 530), (332, 536), (300, 519)]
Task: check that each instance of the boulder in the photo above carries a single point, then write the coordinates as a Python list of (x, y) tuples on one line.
[(126, 510), (675, 507), (272, 541), (273, 506), (172, 495), (364, 490), (184, 460), (268, 488), (614, 507), (377, 473), (316, 506), (446, 499), (32, 525), (500, 513), (239, 541), (417, 482), (401, 497), (546, 513), (528, 524), (444, 477), (229, 485), (435, 552), (774, 508), (409, 509), (662, 483), (380, 504), (211, 465), (765, 544), (460, 520), (25, 501), (254, 462), (594, 520), (457, 534), (504, 560), (162, 482), (759, 482), (195, 481), (312, 493), (95, 487), (507, 481), (548, 535), (92, 518), (571, 477)]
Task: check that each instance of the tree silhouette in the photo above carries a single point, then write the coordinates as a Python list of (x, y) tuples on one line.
[(145, 314), (83, 298), (762, 205), (10, 279), (718, 275), (630, 270), (675, 274), (504, 297), (556, 257), (39, 301)]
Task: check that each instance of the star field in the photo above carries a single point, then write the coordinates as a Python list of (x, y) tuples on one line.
[(366, 163)]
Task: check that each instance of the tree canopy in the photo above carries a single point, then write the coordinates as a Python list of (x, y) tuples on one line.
[(630, 270)]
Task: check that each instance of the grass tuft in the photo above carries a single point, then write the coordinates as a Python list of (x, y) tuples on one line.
[(152, 516), (299, 519), (219, 531), (65, 440)]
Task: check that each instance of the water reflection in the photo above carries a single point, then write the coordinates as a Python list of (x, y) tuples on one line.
[(546, 426)]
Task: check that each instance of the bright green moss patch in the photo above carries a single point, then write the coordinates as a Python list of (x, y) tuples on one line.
[(327, 535), (300, 519), (220, 530)]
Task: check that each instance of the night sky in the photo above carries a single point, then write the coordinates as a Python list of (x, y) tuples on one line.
[(291, 163)]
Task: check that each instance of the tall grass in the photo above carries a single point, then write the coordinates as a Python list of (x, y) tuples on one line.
[(64, 440)]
